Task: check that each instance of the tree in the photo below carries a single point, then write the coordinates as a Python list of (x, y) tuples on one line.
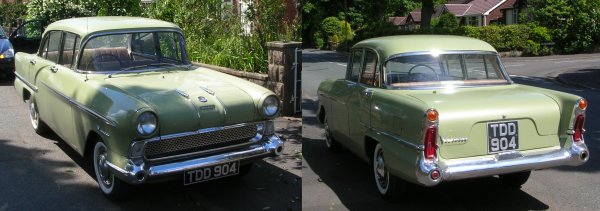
[(53, 10), (574, 24), (426, 13)]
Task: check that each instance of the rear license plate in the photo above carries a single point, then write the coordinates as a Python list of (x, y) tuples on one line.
[(211, 172), (503, 136)]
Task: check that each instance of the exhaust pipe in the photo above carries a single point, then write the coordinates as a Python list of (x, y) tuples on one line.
[(584, 155)]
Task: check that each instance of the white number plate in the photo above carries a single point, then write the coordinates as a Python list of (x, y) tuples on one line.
[(211, 172), (503, 136)]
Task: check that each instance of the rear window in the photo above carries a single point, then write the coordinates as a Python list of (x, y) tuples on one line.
[(440, 69)]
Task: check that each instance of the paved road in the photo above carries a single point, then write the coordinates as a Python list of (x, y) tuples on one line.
[(43, 173), (341, 181)]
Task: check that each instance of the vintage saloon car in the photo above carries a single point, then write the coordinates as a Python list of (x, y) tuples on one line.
[(122, 92), (427, 109)]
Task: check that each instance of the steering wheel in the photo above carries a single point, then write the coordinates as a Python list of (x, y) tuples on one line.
[(424, 65), (104, 57)]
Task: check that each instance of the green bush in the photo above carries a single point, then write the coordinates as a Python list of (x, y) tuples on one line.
[(10, 12), (345, 32), (215, 35)]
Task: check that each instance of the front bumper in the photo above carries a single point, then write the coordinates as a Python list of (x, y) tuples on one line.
[(140, 172), (572, 155)]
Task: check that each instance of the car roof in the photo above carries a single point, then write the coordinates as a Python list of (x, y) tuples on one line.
[(392, 45), (86, 26)]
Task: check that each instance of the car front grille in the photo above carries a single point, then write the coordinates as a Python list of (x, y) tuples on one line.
[(199, 142)]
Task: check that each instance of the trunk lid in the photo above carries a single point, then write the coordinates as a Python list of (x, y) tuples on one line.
[(464, 115)]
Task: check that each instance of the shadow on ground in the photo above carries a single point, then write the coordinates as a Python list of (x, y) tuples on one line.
[(351, 179), (32, 181)]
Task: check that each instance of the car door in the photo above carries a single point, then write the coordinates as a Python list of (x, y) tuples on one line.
[(337, 113), (57, 83), (359, 104), (28, 36)]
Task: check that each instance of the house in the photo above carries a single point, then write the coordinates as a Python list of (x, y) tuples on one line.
[(292, 8), (474, 12), (512, 11), (413, 20), (400, 22)]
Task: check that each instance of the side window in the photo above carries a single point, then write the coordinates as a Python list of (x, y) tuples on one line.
[(169, 45), (51, 46), (368, 75), (70, 49), (356, 65), (143, 43)]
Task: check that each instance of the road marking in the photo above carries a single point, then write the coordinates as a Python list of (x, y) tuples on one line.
[(513, 65), (340, 64)]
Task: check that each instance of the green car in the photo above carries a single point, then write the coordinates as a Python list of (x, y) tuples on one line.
[(122, 92), (426, 109)]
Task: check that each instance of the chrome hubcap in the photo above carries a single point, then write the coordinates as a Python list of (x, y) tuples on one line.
[(381, 174), (327, 135), (102, 168), (33, 115)]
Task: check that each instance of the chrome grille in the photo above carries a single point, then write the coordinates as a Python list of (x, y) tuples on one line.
[(199, 142)]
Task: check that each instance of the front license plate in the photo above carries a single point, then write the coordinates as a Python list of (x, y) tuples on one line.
[(503, 136), (211, 172)]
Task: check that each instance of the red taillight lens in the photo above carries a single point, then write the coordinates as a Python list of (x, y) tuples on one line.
[(429, 142), (578, 128)]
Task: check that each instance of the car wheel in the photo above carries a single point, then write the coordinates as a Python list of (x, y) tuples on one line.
[(34, 118), (111, 186), (515, 179), (331, 144), (387, 184)]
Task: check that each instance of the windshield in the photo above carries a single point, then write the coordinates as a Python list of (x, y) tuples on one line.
[(139, 51), (2, 35), (437, 70)]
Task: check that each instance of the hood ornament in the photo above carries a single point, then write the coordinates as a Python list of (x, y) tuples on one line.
[(202, 99)]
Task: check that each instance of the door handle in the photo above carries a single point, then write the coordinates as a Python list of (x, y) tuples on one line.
[(368, 92), (54, 69), (32, 62)]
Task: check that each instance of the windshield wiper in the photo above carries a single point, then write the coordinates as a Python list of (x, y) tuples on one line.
[(148, 65)]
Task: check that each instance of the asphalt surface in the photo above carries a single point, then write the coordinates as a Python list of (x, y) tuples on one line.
[(44, 173), (341, 181)]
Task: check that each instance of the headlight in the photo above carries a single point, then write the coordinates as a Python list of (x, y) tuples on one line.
[(146, 123), (10, 53), (270, 106)]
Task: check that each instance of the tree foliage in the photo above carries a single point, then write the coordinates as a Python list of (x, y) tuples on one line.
[(574, 24), (53, 10), (10, 12), (216, 35)]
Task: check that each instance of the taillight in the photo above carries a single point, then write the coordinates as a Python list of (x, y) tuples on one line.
[(578, 128), (429, 142)]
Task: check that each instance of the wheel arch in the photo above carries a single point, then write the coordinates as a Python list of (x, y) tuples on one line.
[(321, 114), (370, 144), (90, 141)]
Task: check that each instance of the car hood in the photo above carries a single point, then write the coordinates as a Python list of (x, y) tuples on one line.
[(190, 100), (4, 45)]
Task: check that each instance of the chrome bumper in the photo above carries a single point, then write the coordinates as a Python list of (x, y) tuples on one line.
[(572, 155), (140, 172)]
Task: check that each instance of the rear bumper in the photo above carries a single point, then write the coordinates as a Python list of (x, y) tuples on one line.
[(572, 155), (141, 172)]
